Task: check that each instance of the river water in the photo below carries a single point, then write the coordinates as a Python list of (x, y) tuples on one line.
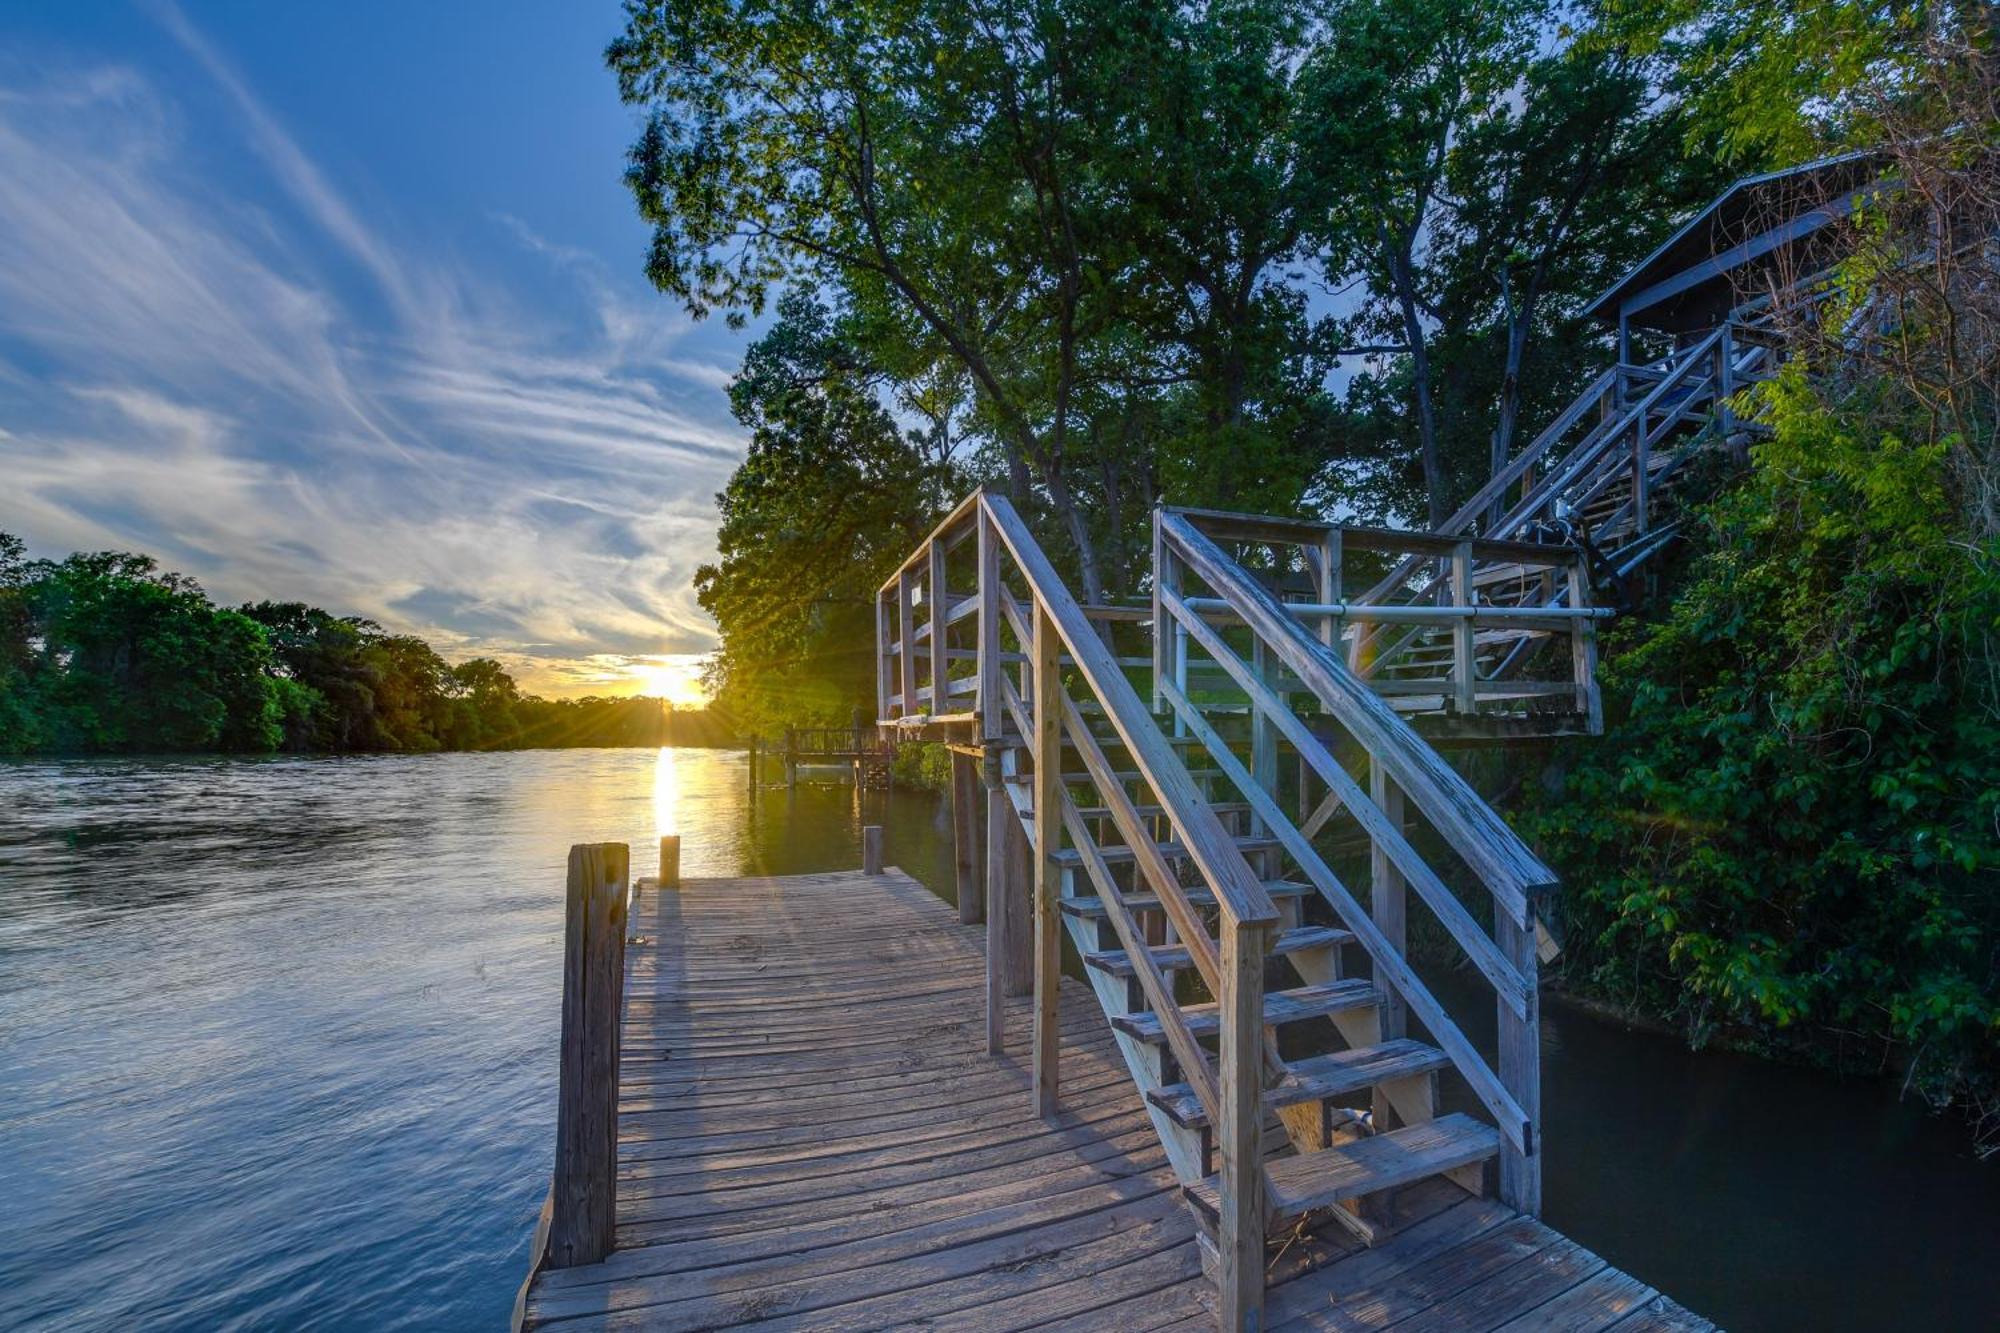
[(278, 1051)]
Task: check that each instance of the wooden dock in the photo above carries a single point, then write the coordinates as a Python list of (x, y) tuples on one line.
[(811, 1134)]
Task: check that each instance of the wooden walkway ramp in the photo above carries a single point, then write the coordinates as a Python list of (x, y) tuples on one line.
[(811, 1136)]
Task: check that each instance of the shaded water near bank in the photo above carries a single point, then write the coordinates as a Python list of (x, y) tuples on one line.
[(277, 1050)]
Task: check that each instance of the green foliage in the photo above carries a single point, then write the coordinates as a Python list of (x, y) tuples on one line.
[(830, 498), (926, 766), (1789, 828), (104, 653)]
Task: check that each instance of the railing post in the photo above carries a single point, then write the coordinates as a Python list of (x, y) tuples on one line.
[(583, 1192), (1464, 635), (999, 813), (1160, 558), (1240, 1128), (1331, 582), (883, 689), (940, 600), (965, 846), (1583, 650), (1641, 481), (992, 716), (1048, 717), (906, 626), (1521, 1067), (1388, 891)]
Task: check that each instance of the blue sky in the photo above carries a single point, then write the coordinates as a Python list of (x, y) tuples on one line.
[(343, 303)]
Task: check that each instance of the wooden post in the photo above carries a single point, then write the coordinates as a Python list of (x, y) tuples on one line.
[(906, 622), (1240, 1129), (871, 849), (999, 814), (884, 690), (1160, 558), (753, 768), (940, 600), (1389, 905), (965, 843), (992, 716), (1016, 883), (670, 861), (1521, 1067), (1464, 636), (1583, 651), (1048, 716), (583, 1192)]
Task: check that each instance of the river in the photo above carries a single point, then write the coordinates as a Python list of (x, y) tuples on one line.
[(278, 1051)]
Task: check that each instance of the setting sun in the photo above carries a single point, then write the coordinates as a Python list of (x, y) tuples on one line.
[(677, 680)]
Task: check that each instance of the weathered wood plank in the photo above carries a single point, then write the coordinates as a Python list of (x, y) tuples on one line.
[(806, 1156)]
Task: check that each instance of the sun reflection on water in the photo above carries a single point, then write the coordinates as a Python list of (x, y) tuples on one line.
[(666, 794)]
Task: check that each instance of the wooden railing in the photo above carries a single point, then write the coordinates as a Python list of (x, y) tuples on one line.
[(1608, 437), (1406, 777), (1023, 617), (1505, 601)]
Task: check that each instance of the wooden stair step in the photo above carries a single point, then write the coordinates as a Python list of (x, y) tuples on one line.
[(1280, 1007), (1091, 907), (1118, 963), (1158, 811), (1071, 857), (1367, 1166), (1318, 1077), (1119, 775)]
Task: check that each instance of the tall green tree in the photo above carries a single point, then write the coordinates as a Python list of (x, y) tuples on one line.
[(830, 497), (1077, 209)]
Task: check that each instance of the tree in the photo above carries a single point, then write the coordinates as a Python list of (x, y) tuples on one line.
[(1075, 209), (830, 497)]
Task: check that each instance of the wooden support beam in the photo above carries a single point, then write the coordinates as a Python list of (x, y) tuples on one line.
[(906, 660), (940, 620), (1240, 1128), (1389, 905), (583, 1191), (1464, 659), (1583, 654), (1048, 720), (992, 720), (999, 814), (966, 803), (1521, 1071)]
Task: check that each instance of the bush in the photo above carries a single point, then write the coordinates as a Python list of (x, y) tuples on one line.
[(1788, 831), (925, 765)]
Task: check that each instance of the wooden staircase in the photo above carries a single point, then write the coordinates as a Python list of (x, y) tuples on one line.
[(1288, 1055), (1202, 781)]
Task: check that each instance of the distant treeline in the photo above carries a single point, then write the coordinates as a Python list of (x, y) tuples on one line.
[(105, 653)]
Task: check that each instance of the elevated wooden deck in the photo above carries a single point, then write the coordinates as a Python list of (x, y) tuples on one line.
[(811, 1135)]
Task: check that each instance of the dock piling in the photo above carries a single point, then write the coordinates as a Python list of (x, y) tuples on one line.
[(583, 1191), (670, 861), (871, 849)]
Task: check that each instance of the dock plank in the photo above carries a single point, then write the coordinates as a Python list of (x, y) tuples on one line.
[(812, 1135)]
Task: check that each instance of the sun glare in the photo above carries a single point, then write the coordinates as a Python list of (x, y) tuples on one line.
[(678, 682)]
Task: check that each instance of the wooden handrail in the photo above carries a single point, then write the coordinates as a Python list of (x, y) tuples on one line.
[(1511, 872), (1240, 894), (1392, 966)]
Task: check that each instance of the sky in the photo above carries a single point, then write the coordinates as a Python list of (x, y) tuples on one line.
[(345, 304)]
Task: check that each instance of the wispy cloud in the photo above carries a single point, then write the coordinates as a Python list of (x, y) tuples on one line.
[(187, 367)]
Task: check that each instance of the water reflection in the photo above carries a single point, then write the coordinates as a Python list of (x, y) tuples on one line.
[(666, 793)]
